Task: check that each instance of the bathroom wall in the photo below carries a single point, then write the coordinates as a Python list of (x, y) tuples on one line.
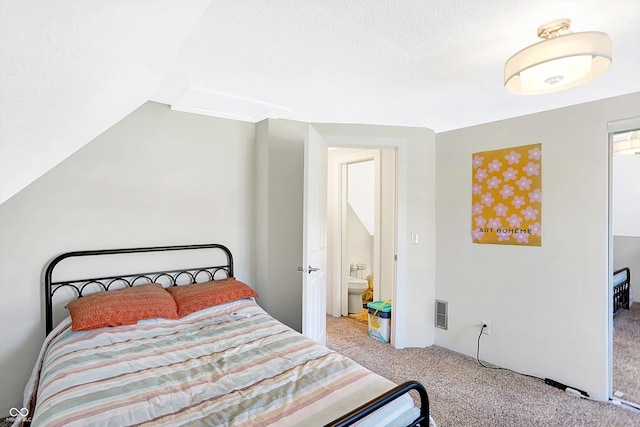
[(361, 191), (359, 243), (360, 215), (625, 195)]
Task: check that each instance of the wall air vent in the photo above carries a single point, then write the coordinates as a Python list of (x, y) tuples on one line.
[(441, 314)]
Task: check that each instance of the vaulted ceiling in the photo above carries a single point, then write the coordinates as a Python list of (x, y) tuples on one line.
[(70, 69)]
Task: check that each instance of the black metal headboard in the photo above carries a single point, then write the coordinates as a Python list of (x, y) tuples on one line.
[(191, 274)]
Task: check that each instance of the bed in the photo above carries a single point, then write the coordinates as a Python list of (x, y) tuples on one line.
[(190, 346), (621, 288)]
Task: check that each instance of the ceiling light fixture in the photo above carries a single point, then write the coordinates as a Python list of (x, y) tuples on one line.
[(629, 145), (562, 60)]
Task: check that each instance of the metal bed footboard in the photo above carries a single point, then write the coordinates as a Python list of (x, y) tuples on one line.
[(621, 290), (380, 401)]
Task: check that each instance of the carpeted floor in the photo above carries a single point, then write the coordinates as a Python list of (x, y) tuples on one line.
[(462, 393), (626, 353)]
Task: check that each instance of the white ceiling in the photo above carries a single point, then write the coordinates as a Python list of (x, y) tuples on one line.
[(436, 63), (70, 69)]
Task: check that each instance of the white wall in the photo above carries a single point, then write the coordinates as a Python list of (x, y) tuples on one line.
[(626, 195), (547, 305), (360, 214), (361, 192), (414, 299), (279, 180), (360, 244), (157, 177), (626, 213)]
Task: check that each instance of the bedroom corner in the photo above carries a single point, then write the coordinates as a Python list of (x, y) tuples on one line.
[(156, 177)]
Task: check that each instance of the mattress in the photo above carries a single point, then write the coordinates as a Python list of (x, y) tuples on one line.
[(232, 364), (619, 278)]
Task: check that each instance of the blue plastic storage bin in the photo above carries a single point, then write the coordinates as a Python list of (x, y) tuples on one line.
[(379, 316)]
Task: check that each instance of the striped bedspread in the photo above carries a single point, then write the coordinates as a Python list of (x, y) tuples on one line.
[(227, 365)]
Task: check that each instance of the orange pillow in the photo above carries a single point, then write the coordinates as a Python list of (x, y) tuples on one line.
[(191, 298), (121, 307)]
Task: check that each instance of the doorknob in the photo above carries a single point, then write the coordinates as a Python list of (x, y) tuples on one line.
[(302, 269)]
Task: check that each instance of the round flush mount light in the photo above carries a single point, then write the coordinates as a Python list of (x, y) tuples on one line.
[(561, 60)]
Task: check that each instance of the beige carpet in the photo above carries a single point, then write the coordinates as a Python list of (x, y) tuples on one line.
[(462, 393), (626, 353)]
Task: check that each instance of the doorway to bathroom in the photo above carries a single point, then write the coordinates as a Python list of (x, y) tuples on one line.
[(361, 223)]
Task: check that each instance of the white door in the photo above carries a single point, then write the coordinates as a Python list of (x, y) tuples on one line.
[(314, 240)]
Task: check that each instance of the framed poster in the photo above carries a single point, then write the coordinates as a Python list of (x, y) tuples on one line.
[(506, 201)]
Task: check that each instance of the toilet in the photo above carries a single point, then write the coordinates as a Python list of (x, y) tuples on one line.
[(356, 289)]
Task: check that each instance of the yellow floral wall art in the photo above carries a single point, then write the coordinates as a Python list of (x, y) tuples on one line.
[(506, 207)]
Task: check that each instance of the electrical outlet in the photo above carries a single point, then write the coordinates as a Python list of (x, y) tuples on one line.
[(487, 329)]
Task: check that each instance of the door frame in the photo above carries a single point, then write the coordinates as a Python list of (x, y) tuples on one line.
[(617, 126), (339, 260), (412, 324)]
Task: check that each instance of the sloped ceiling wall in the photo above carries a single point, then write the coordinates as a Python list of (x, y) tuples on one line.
[(72, 69)]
